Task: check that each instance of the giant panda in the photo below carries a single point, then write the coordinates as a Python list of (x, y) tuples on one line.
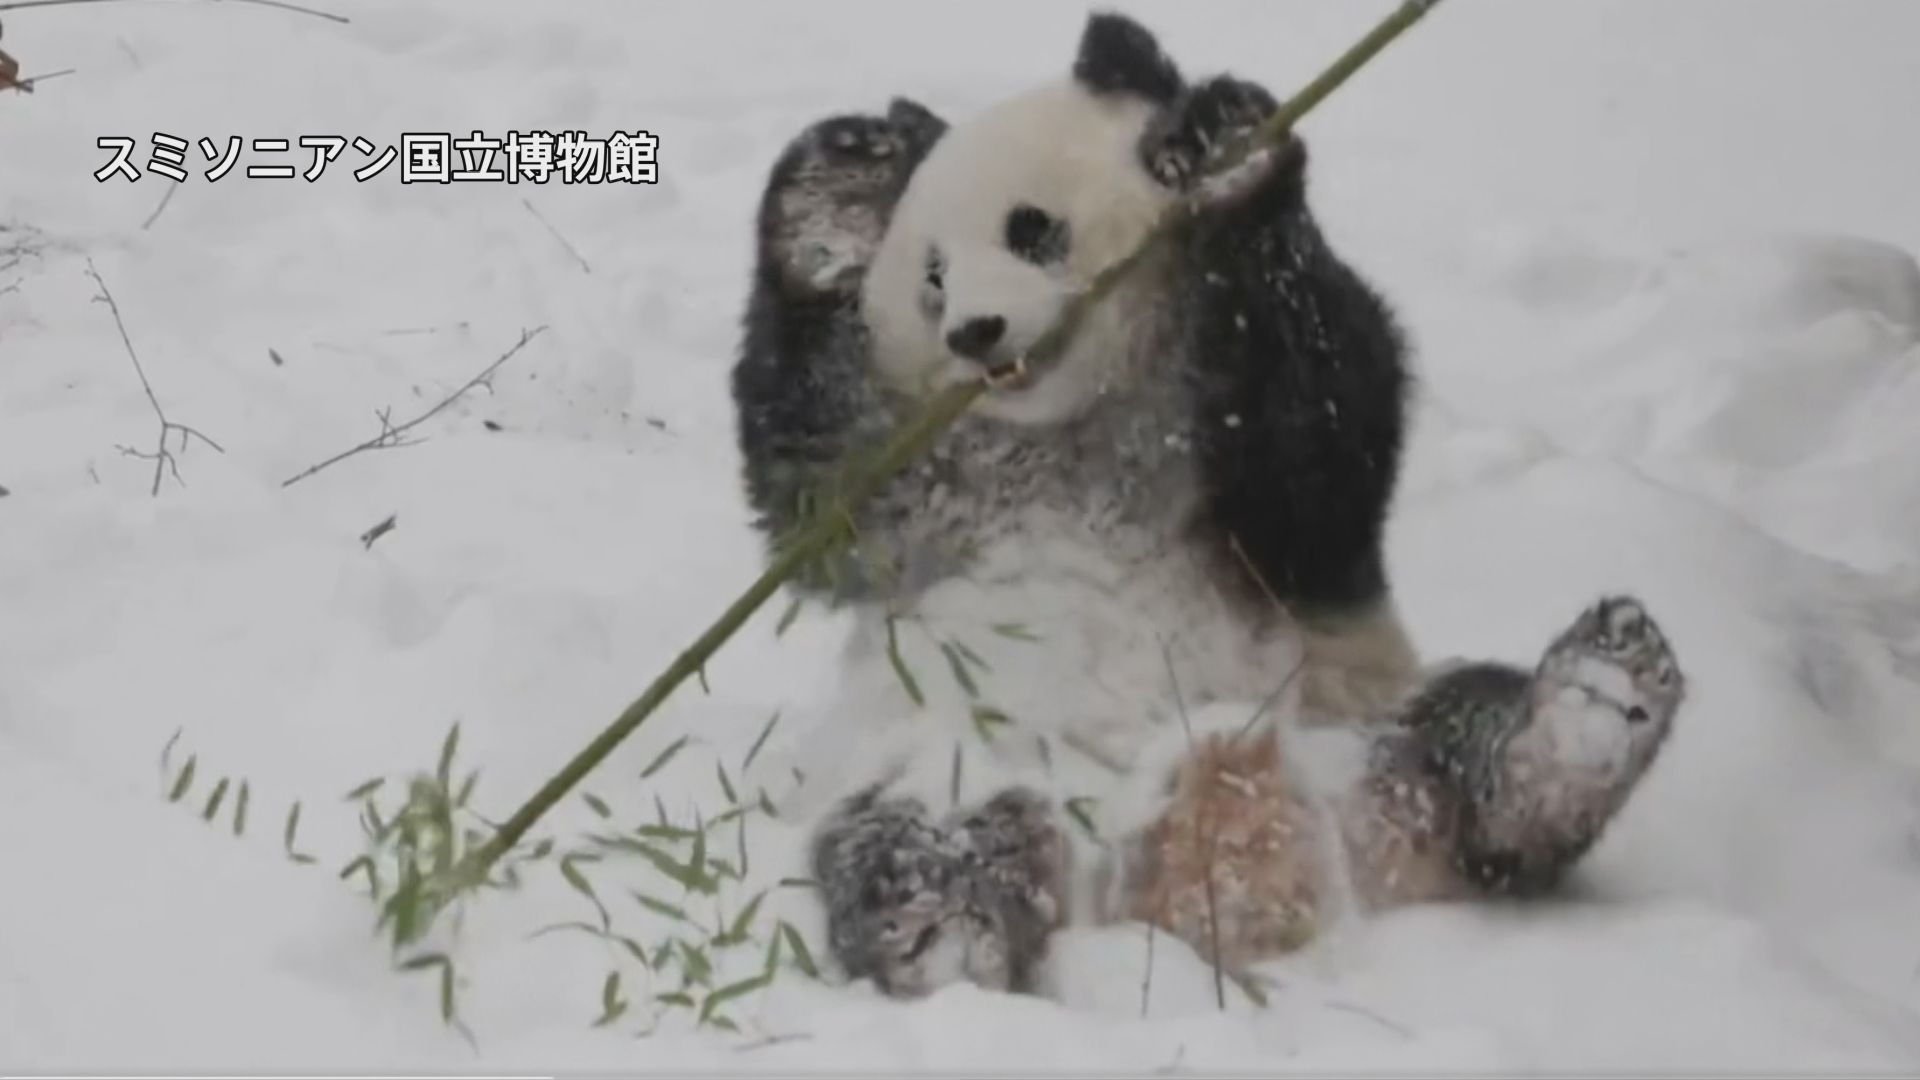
[(1184, 512)]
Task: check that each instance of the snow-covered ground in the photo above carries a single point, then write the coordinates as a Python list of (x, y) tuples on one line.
[(1656, 259)]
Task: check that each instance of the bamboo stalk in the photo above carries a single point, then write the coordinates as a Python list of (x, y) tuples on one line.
[(831, 523)]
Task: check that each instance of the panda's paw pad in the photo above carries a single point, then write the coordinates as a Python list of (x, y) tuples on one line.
[(1208, 120), (1618, 633), (855, 140), (1225, 108)]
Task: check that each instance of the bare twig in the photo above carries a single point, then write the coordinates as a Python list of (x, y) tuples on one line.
[(1280, 609), (162, 458), (367, 538), (392, 436), (1362, 1011), (16, 5), (772, 1040), (27, 84), (542, 219), (164, 200), (1212, 894), (1146, 981)]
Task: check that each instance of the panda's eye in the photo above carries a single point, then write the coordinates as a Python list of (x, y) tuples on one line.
[(1035, 235), (936, 269)]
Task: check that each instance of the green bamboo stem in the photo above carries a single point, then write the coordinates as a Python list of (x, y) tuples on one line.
[(831, 523)]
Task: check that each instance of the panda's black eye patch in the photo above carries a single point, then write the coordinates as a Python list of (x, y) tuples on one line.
[(1035, 235)]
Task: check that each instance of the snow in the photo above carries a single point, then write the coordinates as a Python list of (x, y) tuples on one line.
[(1657, 263)]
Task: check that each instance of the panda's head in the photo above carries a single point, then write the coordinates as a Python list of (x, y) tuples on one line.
[(1009, 216)]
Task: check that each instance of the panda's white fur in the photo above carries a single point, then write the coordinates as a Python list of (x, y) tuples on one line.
[(1057, 147)]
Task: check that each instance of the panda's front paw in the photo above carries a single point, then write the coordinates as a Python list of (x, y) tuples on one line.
[(1615, 652), (1189, 138), (906, 903), (1018, 849)]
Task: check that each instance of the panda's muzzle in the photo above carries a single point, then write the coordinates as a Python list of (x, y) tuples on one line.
[(978, 339)]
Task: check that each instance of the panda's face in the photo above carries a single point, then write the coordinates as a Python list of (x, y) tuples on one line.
[(1009, 217)]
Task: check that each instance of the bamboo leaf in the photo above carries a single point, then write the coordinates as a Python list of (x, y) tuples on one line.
[(1079, 808), (665, 832), (240, 810), (676, 999), (660, 762), (698, 859), (444, 773), (698, 967), (960, 673), (611, 1006), (789, 617), (639, 953), (424, 961), (986, 718), (802, 956), (753, 751), (732, 991), (743, 922), (214, 800), (970, 656), (726, 783), (571, 871), (596, 804), (446, 992), (743, 847), (466, 788), (661, 907), (185, 780), (1014, 630), (364, 864), (364, 790), (899, 663)]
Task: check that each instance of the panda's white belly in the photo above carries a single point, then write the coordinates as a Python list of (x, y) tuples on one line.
[(1055, 661)]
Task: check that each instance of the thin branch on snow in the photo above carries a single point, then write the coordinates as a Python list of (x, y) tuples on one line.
[(15, 5), (1280, 609), (1212, 894), (1146, 981), (162, 457), (1394, 1026), (392, 436), (772, 1040), (164, 200), (571, 250)]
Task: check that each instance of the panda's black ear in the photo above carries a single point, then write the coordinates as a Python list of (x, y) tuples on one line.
[(1120, 56), (919, 125)]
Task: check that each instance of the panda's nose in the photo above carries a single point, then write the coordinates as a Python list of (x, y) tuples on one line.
[(976, 337)]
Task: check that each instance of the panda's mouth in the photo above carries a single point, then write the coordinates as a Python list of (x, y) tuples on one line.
[(1011, 374)]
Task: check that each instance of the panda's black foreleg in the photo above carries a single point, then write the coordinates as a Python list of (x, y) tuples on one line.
[(803, 395)]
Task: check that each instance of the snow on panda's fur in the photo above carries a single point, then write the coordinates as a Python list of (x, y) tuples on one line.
[(1186, 508)]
